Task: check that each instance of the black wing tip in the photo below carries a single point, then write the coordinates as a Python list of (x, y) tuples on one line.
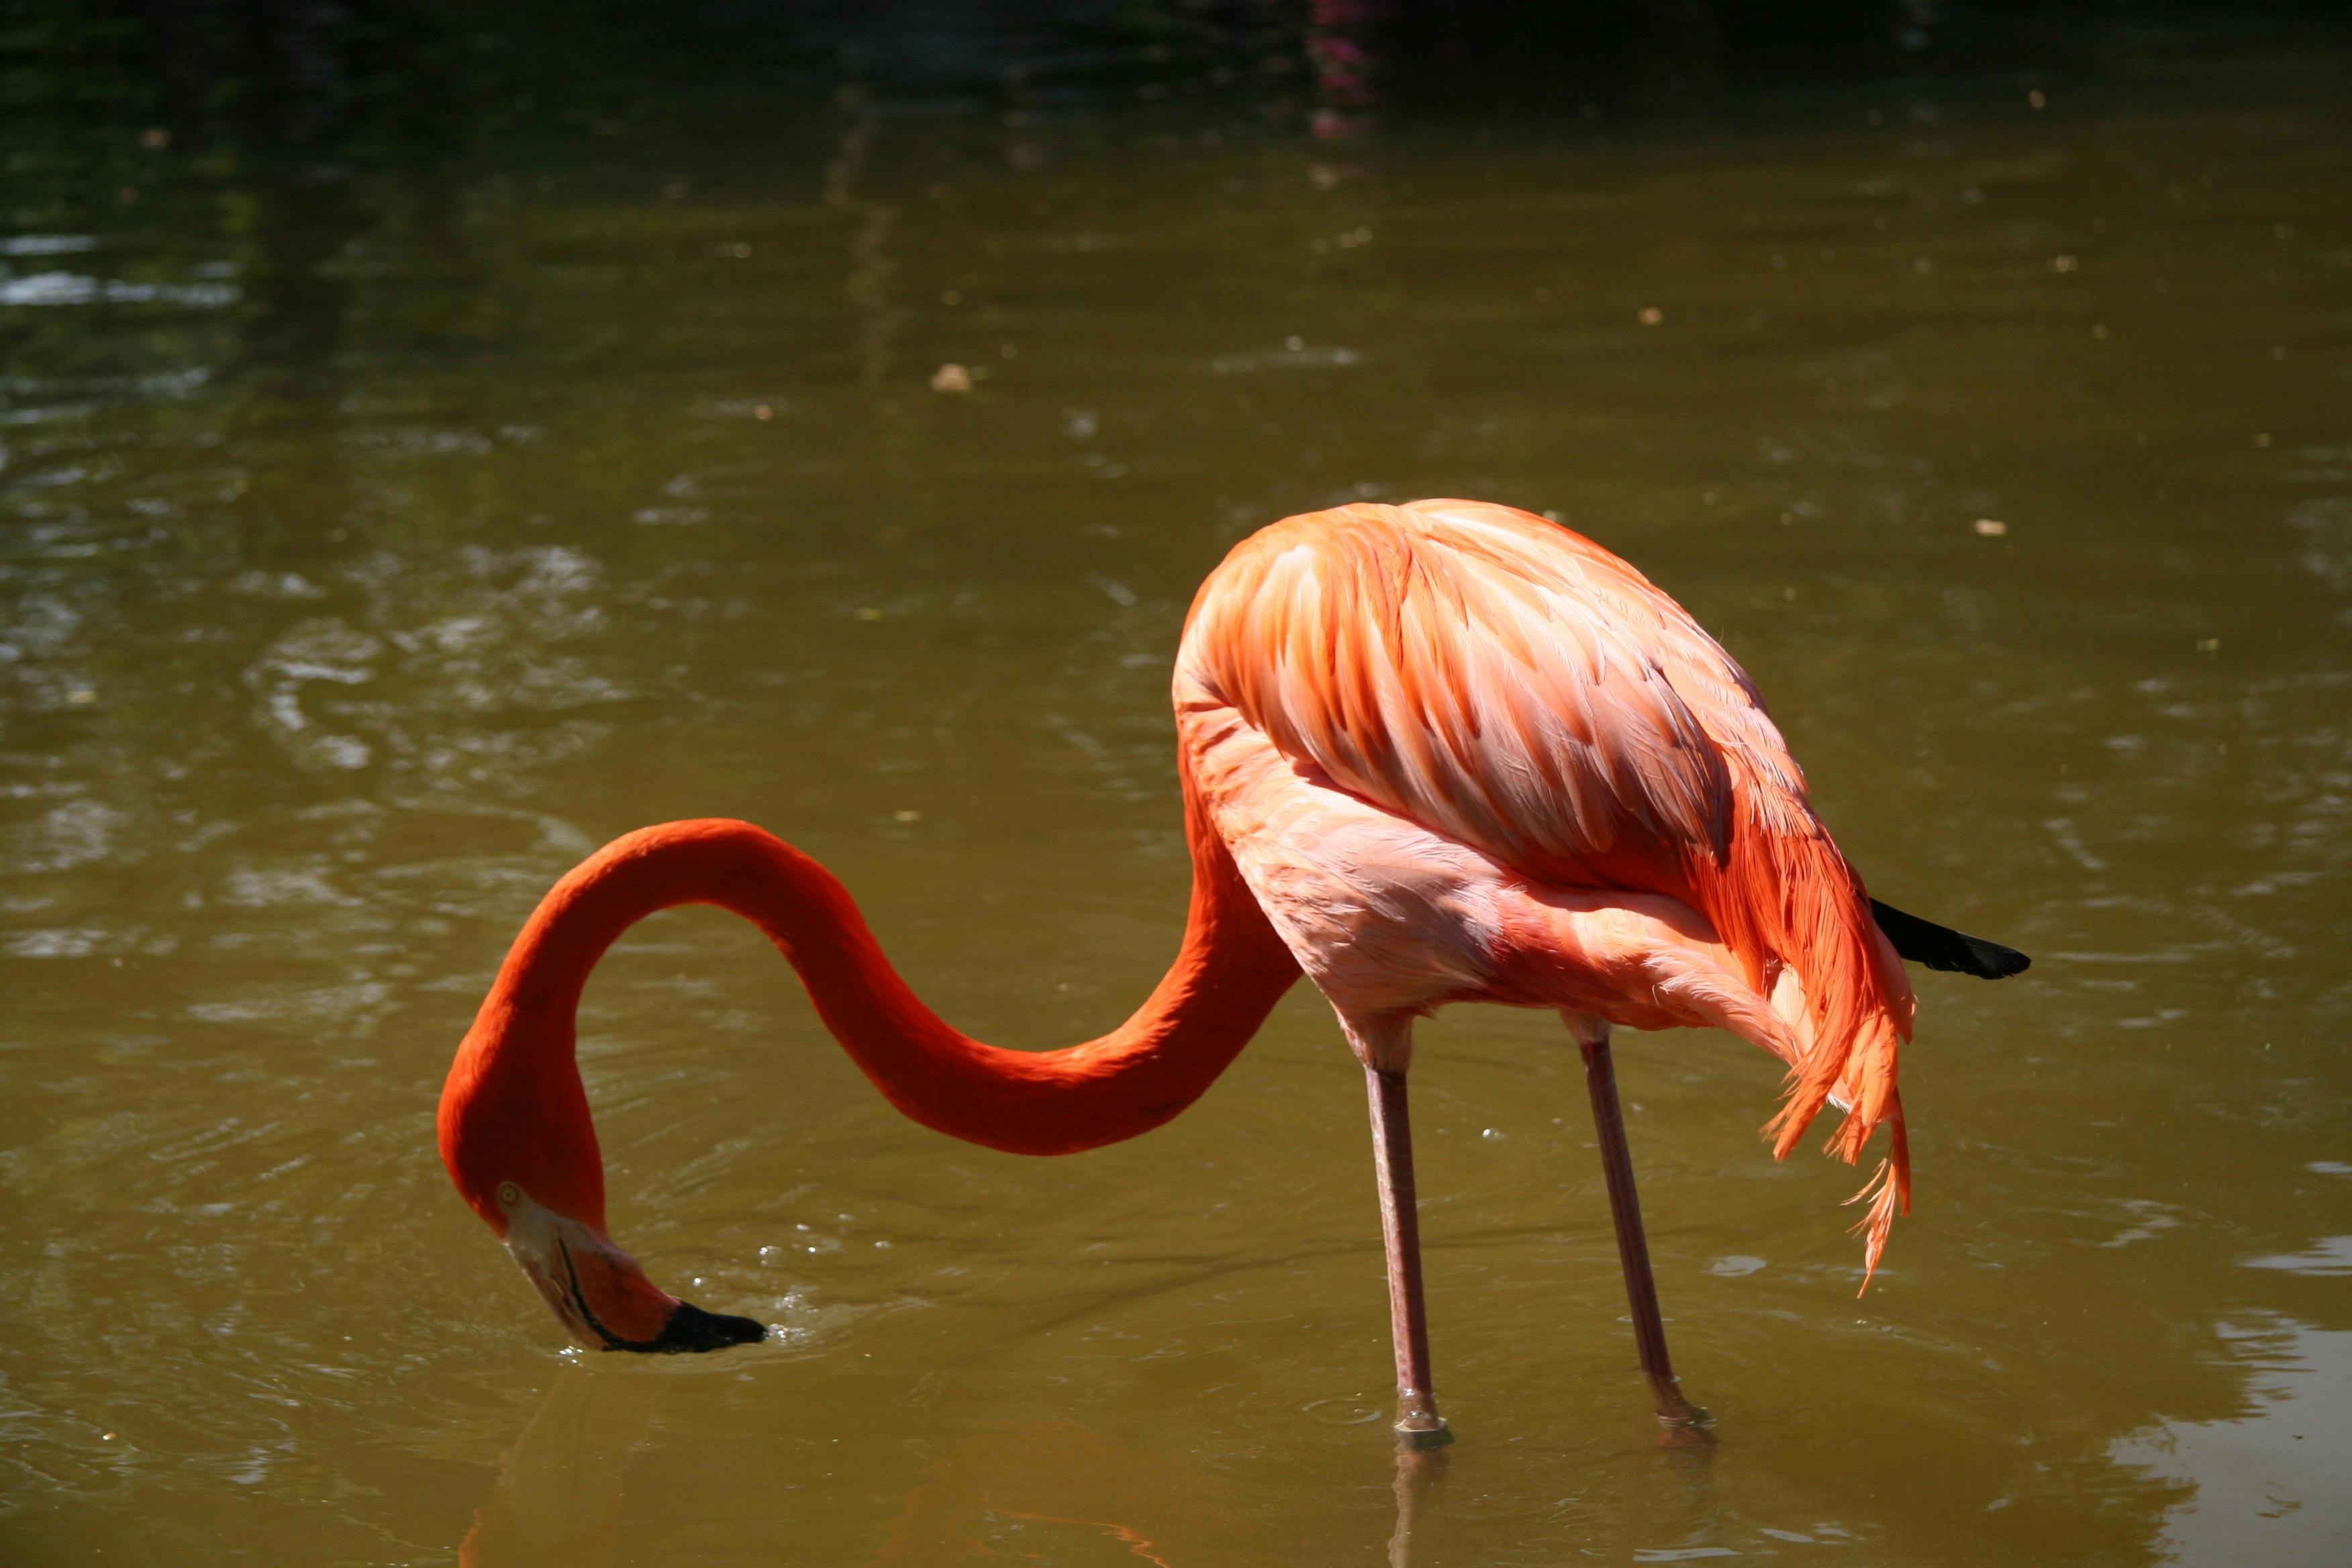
[(1942, 948), (1994, 962)]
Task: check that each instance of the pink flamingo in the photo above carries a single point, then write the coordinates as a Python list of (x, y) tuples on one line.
[(1430, 753)]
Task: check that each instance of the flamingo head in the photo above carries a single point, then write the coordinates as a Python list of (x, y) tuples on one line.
[(599, 1292), (516, 1139)]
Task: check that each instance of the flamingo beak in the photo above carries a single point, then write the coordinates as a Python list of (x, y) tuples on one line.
[(600, 1294)]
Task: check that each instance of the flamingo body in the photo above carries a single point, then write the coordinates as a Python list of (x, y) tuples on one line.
[(1461, 754)]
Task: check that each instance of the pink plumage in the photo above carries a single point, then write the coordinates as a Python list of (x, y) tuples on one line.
[(1465, 754)]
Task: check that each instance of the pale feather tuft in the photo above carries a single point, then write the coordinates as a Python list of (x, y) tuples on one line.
[(1892, 1184)]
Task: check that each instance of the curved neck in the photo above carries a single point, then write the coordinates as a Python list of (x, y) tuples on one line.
[(513, 1108)]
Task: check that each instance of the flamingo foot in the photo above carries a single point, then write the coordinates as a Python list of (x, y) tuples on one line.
[(1419, 1426), (1681, 1423)]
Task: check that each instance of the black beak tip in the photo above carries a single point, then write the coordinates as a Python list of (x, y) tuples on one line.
[(692, 1328)]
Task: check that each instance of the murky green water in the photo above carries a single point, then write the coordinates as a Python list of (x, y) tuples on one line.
[(393, 512)]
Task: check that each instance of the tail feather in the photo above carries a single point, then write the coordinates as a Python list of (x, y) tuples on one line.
[(1891, 1181), (1787, 902), (1787, 899)]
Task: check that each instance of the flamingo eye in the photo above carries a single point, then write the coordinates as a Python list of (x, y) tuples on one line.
[(510, 1195)]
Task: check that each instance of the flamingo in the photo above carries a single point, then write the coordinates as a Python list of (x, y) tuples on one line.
[(1444, 751)]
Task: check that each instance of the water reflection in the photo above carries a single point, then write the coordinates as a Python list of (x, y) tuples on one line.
[(2268, 1485), (1046, 1491), (2330, 1255), (1034, 1490), (1054, 1491), (558, 1497), (1418, 1473)]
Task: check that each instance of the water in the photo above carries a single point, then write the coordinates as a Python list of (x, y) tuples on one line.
[(439, 456)]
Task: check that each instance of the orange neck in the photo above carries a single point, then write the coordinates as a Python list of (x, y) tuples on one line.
[(513, 1108)]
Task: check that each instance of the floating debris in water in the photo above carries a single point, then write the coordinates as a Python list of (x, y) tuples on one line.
[(1650, 315), (951, 378), (1991, 526)]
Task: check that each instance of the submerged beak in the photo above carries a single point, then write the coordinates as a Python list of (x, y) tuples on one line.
[(600, 1294)]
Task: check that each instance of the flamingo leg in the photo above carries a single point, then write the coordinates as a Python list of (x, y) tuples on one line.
[(1679, 1414), (1418, 1424)]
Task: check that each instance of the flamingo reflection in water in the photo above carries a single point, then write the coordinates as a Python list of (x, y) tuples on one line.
[(1014, 1489)]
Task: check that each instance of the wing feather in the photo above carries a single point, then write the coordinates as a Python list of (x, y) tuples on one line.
[(1518, 688)]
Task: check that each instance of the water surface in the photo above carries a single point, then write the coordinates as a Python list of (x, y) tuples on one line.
[(425, 464)]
